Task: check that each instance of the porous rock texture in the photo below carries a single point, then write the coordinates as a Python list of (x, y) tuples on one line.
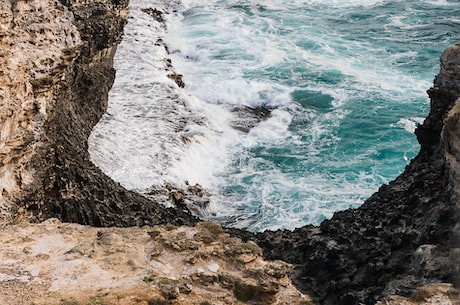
[(437, 293), (56, 71), (56, 59), (56, 263)]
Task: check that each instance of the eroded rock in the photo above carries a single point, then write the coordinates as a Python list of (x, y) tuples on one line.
[(57, 69), (403, 236), (69, 261), (56, 59)]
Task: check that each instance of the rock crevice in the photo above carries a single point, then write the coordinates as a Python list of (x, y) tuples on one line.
[(57, 69)]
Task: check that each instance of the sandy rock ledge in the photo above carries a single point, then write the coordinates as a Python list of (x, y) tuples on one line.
[(50, 262), (56, 70)]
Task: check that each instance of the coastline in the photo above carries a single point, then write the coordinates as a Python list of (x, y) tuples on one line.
[(405, 235), (381, 248), (46, 169)]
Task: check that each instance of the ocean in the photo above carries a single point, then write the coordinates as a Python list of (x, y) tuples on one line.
[(291, 109)]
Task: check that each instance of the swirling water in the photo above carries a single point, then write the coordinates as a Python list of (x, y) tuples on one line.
[(345, 82)]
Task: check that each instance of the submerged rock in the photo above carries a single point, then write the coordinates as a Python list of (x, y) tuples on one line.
[(155, 13), (247, 117)]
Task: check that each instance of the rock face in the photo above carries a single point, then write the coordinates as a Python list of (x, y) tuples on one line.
[(428, 294), (50, 262), (39, 42), (56, 60), (403, 236)]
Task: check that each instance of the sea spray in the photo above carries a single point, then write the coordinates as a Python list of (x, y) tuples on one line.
[(345, 84)]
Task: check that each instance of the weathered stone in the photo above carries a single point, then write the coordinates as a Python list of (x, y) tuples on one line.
[(198, 190), (169, 288), (278, 269), (156, 14), (53, 93), (439, 293), (227, 280), (248, 117), (179, 242), (205, 278), (246, 290), (177, 78)]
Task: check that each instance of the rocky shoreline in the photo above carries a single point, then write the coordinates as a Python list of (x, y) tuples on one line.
[(57, 71), (46, 171), (403, 236)]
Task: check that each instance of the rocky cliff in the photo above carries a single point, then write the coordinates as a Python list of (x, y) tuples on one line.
[(56, 59), (403, 236), (56, 71), (70, 264)]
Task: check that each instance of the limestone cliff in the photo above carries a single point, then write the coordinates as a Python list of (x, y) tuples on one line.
[(38, 47), (56, 60)]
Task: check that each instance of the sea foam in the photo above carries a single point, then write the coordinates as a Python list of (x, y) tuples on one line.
[(344, 83)]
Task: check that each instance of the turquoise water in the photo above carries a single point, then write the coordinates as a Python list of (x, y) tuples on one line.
[(345, 81), (350, 78)]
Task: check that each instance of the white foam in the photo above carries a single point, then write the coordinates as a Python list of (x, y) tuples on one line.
[(178, 135), (373, 70), (409, 124), (287, 202), (147, 112), (337, 3), (440, 2), (166, 133), (273, 130), (207, 154)]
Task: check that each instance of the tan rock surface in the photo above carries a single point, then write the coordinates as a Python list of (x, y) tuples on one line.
[(54, 78), (433, 294), (53, 261), (38, 43)]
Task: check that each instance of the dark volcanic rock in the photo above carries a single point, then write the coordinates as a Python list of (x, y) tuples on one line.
[(76, 190), (247, 117), (399, 239), (66, 184)]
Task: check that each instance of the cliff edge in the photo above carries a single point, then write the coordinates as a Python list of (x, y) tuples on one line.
[(405, 235), (56, 59), (57, 69), (56, 62)]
